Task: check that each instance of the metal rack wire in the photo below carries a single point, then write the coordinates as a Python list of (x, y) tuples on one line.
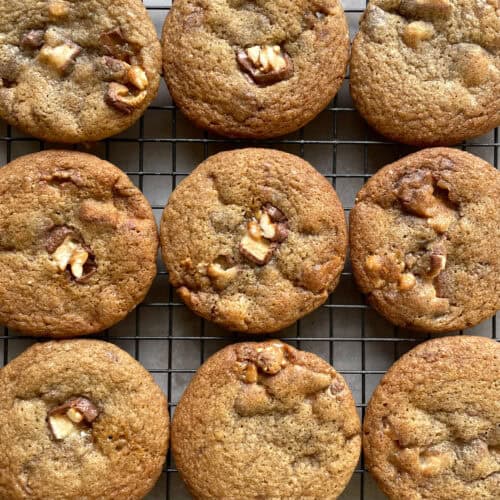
[(169, 340)]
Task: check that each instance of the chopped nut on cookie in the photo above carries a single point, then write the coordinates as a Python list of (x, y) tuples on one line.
[(416, 32), (221, 277), (137, 77), (407, 281), (417, 194), (270, 226), (71, 416), (61, 57), (255, 248), (58, 9), (32, 40), (265, 64), (119, 97), (68, 253)]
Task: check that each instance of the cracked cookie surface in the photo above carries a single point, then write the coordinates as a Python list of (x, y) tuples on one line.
[(425, 240), (254, 239), (74, 71), (264, 420), (427, 72), (432, 426), (78, 244), (254, 69), (111, 433)]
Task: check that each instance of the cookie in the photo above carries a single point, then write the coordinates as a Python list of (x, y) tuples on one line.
[(80, 419), (432, 426), (254, 239), (256, 70), (75, 71), (264, 420), (425, 240), (78, 244), (427, 72)]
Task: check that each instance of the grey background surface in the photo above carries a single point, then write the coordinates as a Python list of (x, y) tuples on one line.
[(169, 340)]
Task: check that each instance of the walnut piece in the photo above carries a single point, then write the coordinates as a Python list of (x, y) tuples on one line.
[(250, 374), (70, 253), (265, 64), (70, 417), (417, 32), (119, 97), (137, 77), (407, 281), (58, 8), (437, 264), (267, 357), (271, 358), (221, 277), (254, 247), (32, 40), (373, 263), (263, 233), (61, 57), (417, 195)]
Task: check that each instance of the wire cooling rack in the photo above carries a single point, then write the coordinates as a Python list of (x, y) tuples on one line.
[(169, 340)]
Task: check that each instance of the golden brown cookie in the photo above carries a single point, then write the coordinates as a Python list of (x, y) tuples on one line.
[(254, 239), (78, 244), (254, 69), (264, 420), (432, 427), (80, 419), (74, 71), (425, 240), (427, 72)]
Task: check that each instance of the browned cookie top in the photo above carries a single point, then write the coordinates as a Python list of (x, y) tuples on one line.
[(80, 419), (425, 240), (427, 72), (254, 239), (78, 244), (254, 69), (432, 427), (76, 70), (264, 420)]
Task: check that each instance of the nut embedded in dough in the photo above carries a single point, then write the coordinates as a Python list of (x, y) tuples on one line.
[(221, 277), (137, 77), (254, 247), (407, 281), (119, 97), (69, 417), (437, 264), (58, 8), (73, 254), (265, 64), (32, 39), (417, 32), (62, 57)]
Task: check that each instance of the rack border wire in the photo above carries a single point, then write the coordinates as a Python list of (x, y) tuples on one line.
[(171, 305)]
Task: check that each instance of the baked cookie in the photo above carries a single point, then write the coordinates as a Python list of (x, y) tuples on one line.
[(264, 420), (425, 240), (76, 70), (80, 419), (427, 72), (254, 239), (432, 427), (78, 244), (254, 69)]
